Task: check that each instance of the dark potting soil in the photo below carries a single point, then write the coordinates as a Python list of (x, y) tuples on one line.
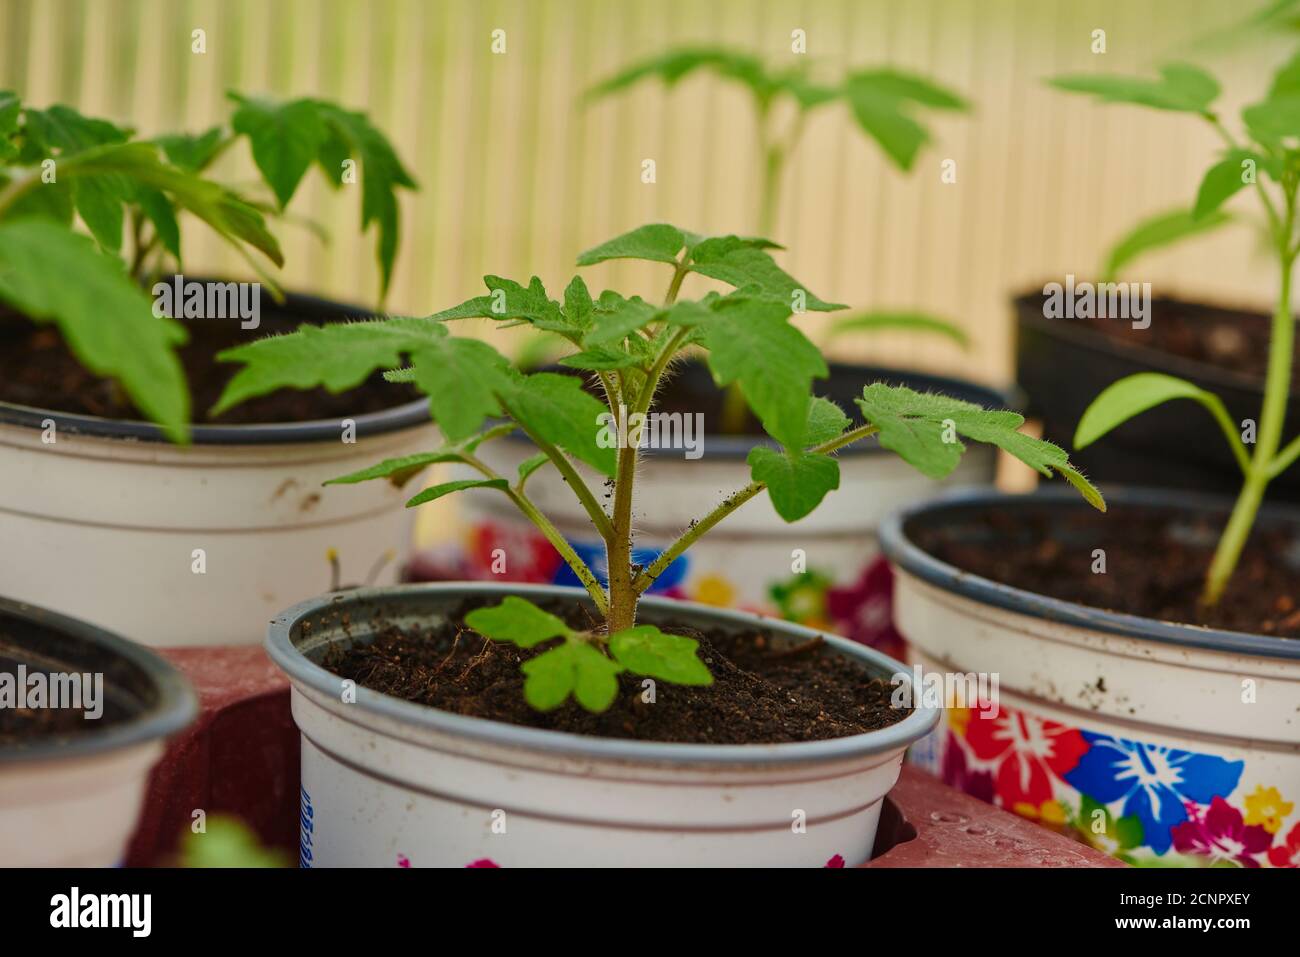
[(762, 693), (37, 369), (1224, 338), (1155, 563)]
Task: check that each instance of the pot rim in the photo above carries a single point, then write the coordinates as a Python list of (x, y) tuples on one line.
[(910, 557), (303, 670), (1082, 336), (177, 703), (406, 415), (738, 447)]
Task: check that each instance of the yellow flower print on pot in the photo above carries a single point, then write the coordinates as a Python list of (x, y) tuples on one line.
[(1266, 807), (715, 590)]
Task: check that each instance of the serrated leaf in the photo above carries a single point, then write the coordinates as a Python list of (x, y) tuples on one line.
[(53, 275), (462, 378), (615, 318), (602, 359), (740, 263), (337, 357), (382, 173), (285, 138), (903, 320), (826, 421), (519, 621), (398, 471), (1156, 232), (645, 650), (446, 488), (572, 668), (158, 210), (923, 428), (750, 342), (796, 481), (557, 408), (1181, 87), (658, 242), (509, 300), (63, 128)]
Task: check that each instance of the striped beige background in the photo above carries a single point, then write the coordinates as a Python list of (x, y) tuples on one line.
[(518, 176)]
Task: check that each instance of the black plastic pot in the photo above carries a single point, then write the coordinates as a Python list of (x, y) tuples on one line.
[(1063, 364)]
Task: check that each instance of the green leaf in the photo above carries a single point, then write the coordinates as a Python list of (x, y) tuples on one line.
[(602, 359), (462, 378), (53, 275), (750, 342), (1135, 394), (906, 321), (99, 202), (924, 428), (1275, 119), (672, 65), (1181, 87), (508, 301), (530, 465), (10, 109), (740, 263), (1223, 180), (519, 621), (796, 481), (557, 408), (645, 650), (572, 668), (399, 471), (158, 210), (658, 242), (826, 421), (616, 318), (883, 101), (140, 163), (192, 153), (446, 488), (285, 138), (337, 357), (1156, 232), (63, 128)]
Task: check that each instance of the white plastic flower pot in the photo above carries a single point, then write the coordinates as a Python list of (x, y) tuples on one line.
[(73, 800), (389, 783), (199, 545), (824, 572), (1161, 743)]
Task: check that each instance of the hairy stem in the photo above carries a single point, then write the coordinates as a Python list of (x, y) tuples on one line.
[(728, 505), (549, 531), (571, 477)]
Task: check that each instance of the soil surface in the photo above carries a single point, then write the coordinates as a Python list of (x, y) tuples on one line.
[(37, 369), (1224, 338), (762, 693), (1155, 563)]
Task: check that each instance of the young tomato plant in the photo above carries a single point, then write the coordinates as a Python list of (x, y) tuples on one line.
[(1267, 160), (58, 166), (627, 346), (884, 103)]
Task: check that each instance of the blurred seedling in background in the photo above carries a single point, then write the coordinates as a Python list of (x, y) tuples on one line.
[(886, 105)]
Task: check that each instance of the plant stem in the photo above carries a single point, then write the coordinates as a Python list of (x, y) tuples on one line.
[(728, 505), (1277, 390), (551, 533), (571, 477)]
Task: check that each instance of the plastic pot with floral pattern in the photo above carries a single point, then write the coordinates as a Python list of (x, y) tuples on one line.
[(1164, 744), (826, 572), (387, 782)]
